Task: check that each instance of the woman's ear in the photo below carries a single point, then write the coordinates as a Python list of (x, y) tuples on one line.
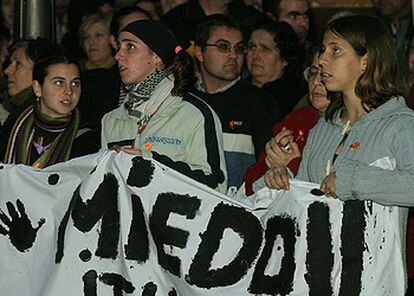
[(198, 53), (37, 89), (113, 42), (364, 62), (158, 63)]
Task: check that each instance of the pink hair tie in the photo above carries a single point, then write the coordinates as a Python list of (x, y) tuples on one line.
[(178, 49)]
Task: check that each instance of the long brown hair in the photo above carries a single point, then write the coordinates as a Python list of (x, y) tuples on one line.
[(382, 79)]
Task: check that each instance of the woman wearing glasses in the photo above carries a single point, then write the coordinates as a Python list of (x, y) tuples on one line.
[(274, 59), (158, 118), (290, 135)]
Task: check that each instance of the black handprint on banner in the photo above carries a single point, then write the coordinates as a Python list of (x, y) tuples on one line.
[(19, 228)]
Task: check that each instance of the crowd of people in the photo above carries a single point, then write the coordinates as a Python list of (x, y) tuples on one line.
[(226, 92)]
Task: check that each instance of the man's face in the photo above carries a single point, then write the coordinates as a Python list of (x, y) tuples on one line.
[(296, 13), (218, 67), (389, 8)]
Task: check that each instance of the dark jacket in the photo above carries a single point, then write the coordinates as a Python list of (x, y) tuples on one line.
[(286, 91), (247, 116)]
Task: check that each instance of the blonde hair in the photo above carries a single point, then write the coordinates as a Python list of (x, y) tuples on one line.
[(89, 20)]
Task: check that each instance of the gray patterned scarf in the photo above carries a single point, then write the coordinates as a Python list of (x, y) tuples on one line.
[(138, 94)]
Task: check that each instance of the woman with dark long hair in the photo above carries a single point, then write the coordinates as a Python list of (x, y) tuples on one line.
[(363, 150), (50, 131)]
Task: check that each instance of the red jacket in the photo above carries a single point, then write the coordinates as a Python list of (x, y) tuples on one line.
[(300, 120)]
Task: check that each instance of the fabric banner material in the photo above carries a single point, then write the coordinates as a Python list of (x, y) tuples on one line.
[(116, 224)]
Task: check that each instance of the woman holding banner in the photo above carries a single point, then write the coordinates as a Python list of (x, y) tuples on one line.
[(49, 131), (364, 147), (159, 119)]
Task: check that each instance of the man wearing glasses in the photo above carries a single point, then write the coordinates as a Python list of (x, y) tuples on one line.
[(246, 112)]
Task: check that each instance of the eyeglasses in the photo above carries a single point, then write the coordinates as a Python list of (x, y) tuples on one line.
[(226, 47), (311, 72)]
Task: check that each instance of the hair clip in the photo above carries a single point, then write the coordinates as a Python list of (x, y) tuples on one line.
[(178, 49)]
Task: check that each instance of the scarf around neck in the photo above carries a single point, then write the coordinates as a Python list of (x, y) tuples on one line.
[(139, 94), (32, 121)]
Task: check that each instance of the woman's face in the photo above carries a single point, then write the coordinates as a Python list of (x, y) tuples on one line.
[(340, 64), (135, 59), (317, 90), (97, 43), (19, 72), (59, 94), (263, 58)]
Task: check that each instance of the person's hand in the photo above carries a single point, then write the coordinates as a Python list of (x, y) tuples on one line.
[(132, 151), (127, 150), (281, 149), (328, 185), (116, 148), (277, 178)]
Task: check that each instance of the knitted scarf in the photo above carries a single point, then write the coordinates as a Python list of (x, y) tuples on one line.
[(32, 122), (139, 94)]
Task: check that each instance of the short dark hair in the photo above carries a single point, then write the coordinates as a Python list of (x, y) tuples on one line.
[(42, 66), (212, 22), (123, 12)]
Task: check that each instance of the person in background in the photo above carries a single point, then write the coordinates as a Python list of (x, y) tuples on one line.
[(293, 131), (6, 39), (183, 19), (106, 6), (24, 54), (99, 98), (274, 59), (397, 16), (246, 112), (70, 41), (294, 12), (95, 38), (363, 150), (159, 119), (50, 131), (7, 14)]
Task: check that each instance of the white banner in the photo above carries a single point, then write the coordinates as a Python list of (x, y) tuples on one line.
[(115, 224)]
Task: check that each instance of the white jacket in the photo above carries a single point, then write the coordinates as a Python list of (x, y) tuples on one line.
[(184, 134)]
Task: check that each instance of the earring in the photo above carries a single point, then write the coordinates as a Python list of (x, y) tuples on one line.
[(37, 99)]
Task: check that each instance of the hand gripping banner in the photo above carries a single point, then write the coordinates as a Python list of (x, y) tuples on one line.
[(116, 224)]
